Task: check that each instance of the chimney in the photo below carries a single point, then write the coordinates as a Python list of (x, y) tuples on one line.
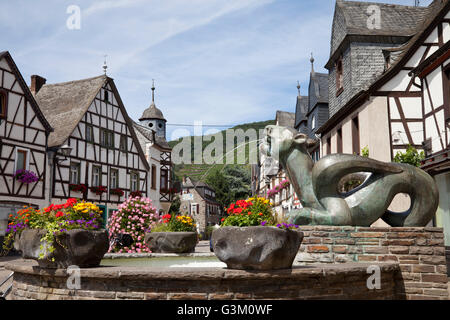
[(36, 83)]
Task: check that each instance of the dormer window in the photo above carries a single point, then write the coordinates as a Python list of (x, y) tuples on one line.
[(3, 103), (339, 77)]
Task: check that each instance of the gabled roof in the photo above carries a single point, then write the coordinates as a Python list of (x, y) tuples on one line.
[(319, 83), (436, 11), (149, 135), (285, 119), (64, 105), (301, 109), (26, 90), (199, 186), (397, 22)]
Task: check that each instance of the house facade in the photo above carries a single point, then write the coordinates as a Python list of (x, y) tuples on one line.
[(198, 200), (105, 163), (388, 88), (151, 133), (24, 134)]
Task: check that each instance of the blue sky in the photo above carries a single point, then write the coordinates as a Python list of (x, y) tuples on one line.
[(215, 61)]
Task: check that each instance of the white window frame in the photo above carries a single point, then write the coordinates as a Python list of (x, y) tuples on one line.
[(27, 160), (194, 208), (78, 172), (98, 176), (134, 181), (116, 182)]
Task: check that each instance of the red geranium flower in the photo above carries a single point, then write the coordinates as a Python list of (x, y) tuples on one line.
[(59, 214)]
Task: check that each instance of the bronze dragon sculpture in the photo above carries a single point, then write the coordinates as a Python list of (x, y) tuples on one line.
[(316, 185)]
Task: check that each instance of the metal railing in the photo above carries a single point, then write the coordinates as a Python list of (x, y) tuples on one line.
[(8, 290)]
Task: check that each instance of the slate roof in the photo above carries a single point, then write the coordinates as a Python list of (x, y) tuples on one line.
[(285, 119), (399, 56), (301, 109), (397, 22), (320, 89), (34, 105), (152, 112), (200, 188), (148, 134), (64, 105)]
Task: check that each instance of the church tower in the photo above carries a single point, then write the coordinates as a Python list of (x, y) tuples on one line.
[(153, 118)]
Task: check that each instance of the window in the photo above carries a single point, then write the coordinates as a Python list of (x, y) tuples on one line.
[(153, 177), (96, 176), (74, 173), (164, 180), (114, 179), (195, 208), (134, 182), (3, 104), (106, 96), (355, 136), (339, 77), (313, 123), (21, 159), (123, 143), (339, 140), (89, 133), (107, 138)]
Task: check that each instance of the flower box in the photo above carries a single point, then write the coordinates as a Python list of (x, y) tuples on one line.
[(171, 242), (117, 192), (135, 194), (256, 248), (78, 188), (82, 248), (26, 176), (99, 190)]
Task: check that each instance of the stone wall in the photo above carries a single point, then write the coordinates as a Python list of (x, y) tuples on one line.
[(447, 254), (420, 253), (341, 281)]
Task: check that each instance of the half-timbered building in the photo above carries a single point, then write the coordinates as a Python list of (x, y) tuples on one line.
[(389, 88), (106, 163), (151, 133), (24, 133)]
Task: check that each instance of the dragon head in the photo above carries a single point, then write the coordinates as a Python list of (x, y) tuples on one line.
[(280, 141)]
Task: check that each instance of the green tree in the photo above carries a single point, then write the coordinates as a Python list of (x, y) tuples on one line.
[(411, 156), (239, 180), (217, 181)]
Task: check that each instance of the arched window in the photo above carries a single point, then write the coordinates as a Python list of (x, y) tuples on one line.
[(3, 104)]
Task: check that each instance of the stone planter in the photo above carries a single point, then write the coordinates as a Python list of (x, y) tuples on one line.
[(256, 248), (83, 248), (171, 242)]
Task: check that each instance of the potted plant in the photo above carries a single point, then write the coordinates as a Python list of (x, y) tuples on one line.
[(26, 176), (250, 239), (174, 234), (134, 217), (59, 235)]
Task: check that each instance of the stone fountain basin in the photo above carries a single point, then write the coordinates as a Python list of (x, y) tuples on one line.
[(331, 281)]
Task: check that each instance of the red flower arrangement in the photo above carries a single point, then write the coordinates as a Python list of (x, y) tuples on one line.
[(78, 188), (135, 194), (117, 192), (99, 190)]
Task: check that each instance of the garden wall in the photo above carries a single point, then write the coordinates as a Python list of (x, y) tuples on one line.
[(420, 253), (342, 281)]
